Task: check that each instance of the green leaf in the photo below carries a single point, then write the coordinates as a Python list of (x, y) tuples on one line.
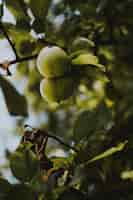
[(15, 102), (103, 116), (24, 164), (59, 162), (5, 187), (25, 43), (85, 58), (127, 175), (109, 152), (72, 194), (82, 43), (40, 8), (21, 192), (89, 121), (84, 124), (17, 9)]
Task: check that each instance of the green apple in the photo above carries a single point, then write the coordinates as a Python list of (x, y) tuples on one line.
[(56, 90), (53, 62)]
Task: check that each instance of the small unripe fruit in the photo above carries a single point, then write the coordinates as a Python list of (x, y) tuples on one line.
[(56, 90), (53, 62)]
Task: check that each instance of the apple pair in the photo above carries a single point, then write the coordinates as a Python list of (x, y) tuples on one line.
[(55, 65)]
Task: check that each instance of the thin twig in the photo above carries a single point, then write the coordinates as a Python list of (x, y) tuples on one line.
[(5, 65), (19, 60), (8, 39), (61, 142)]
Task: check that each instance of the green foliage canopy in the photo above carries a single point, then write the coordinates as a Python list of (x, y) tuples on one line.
[(94, 126)]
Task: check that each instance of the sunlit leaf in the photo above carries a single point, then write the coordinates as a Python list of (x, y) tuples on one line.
[(60, 162), (85, 59), (127, 175), (109, 152)]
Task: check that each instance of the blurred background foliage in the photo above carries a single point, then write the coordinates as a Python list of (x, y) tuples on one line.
[(96, 120)]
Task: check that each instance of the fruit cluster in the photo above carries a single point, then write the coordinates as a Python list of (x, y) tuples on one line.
[(55, 66)]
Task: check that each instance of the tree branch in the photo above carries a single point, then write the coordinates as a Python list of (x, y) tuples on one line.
[(19, 60), (5, 65), (8, 39), (49, 135)]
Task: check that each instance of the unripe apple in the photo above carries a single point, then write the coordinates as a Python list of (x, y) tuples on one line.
[(56, 90), (53, 62)]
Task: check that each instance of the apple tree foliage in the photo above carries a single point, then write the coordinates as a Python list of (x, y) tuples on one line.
[(82, 146)]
